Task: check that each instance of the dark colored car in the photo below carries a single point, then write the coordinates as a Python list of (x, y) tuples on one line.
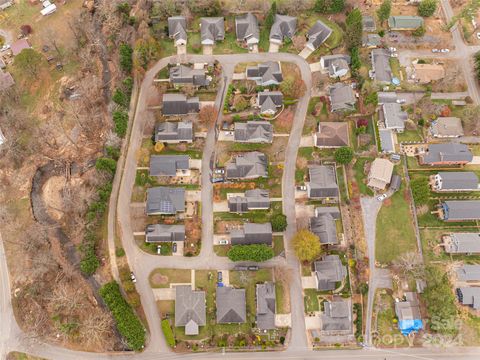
[(174, 247), (253, 268), (219, 277)]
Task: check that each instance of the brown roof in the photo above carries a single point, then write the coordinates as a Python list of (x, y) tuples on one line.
[(426, 73), (19, 45), (332, 134), (6, 80)]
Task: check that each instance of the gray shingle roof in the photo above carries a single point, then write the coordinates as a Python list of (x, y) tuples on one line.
[(165, 200), (469, 273), (265, 74), (269, 101), (231, 305), (337, 316), (183, 74), (249, 165), (396, 182), (387, 97), (317, 35), (386, 140), (189, 309), (325, 228), (252, 233), (328, 271), (327, 60), (253, 199), (463, 243), (246, 27), (447, 153), (393, 116), (163, 232), (368, 23), (174, 131), (342, 97), (469, 296), (381, 65), (212, 29), (408, 309), (371, 40), (400, 22), (457, 180), (179, 104), (265, 306), (284, 26), (168, 165), (254, 132), (177, 28), (323, 182), (458, 210), (447, 127)]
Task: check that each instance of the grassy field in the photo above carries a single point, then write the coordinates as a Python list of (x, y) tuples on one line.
[(168, 276), (395, 233), (311, 300), (388, 333), (278, 245), (360, 176), (409, 135)]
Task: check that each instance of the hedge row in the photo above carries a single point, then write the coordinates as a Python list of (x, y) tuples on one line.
[(254, 252), (128, 323), (168, 333)]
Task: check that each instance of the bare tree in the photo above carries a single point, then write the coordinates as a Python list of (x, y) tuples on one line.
[(410, 263)]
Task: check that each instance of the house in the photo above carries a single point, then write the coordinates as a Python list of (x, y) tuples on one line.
[(335, 65), (323, 224), (255, 199), (253, 132), (265, 295), (405, 22), (462, 243), (174, 132), (336, 319), (164, 233), (269, 102), (461, 210), (387, 142), (371, 41), (446, 127), (177, 29), (190, 309), (19, 45), (455, 181), (249, 165), (446, 154), (179, 104), (386, 97), (231, 305), (331, 135), (381, 70), (323, 182), (211, 29), (252, 233), (246, 27), (283, 27), (169, 165), (342, 97), (163, 200), (6, 80), (408, 314), (468, 273), (380, 174), (426, 73), (183, 74), (265, 74), (329, 271), (369, 23), (469, 296), (393, 116), (4, 4), (317, 35)]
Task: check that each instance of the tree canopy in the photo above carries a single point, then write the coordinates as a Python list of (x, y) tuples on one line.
[(329, 6), (28, 61), (344, 155), (354, 29), (279, 222), (306, 245), (427, 8), (383, 12)]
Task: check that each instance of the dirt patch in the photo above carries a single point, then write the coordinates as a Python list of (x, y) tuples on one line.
[(159, 279), (52, 196)]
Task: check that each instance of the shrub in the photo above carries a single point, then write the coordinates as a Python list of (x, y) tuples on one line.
[(372, 98), (168, 333), (279, 222), (112, 152), (128, 324), (363, 288), (119, 252), (256, 252), (419, 32), (427, 8), (120, 98), (344, 155), (120, 118), (126, 62), (106, 164)]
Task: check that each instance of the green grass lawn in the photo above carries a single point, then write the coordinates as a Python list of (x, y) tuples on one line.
[(256, 216), (395, 233), (278, 245), (360, 176), (388, 333), (311, 300), (221, 250), (409, 135), (169, 276), (341, 184), (229, 45)]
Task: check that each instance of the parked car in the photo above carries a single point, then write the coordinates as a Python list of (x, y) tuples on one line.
[(394, 55), (435, 50), (392, 49), (133, 278), (5, 47), (253, 268), (302, 188), (219, 276), (478, 35), (401, 101), (159, 249), (174, 247), (217, 180), (445, 50), (241, 268), (219, 171), (382, 197), (223, 242)]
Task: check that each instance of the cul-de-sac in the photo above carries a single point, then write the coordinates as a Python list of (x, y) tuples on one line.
[(252, 179)]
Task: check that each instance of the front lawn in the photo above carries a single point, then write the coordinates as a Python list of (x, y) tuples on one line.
[(388, 333), (162, 278), (409, 135), (278, 245), (311, 300), (361, 175)]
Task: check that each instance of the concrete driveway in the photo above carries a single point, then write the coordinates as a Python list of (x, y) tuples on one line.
[(313, 322), (193, 195), (273, 48), (315, 67), (164, 293), (221, 206), (225, 136), (181, 49), (306, 52), (309, 282), (196, 164), (306, 141), (207, 49), (238, 76)]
